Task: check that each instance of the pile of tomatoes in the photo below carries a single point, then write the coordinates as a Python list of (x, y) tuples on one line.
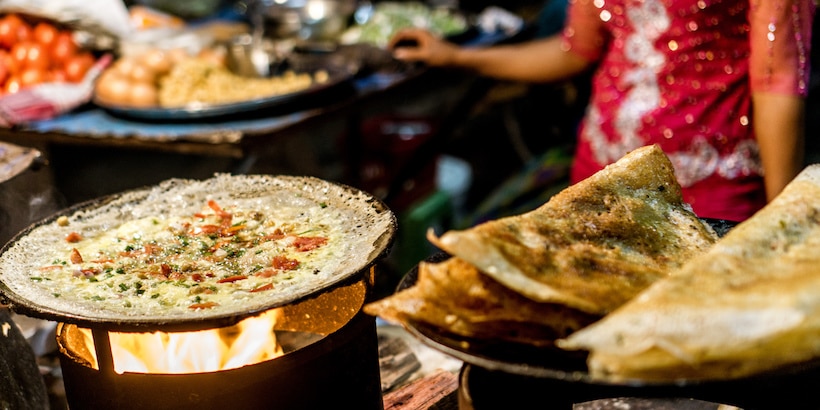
[(34, 52)]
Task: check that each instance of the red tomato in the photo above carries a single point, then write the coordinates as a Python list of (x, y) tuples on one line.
[(29, 54), (25, 32), (13, 84), (32, 75), (78, 65), (38, 57), (4, 73), (58, 75), (9, 26), (19, 53), (45, 33), (63, 47), (6, 63), (9, 62)]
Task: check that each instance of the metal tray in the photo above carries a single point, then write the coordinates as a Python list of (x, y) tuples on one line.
[(336, 78), (549, 363)]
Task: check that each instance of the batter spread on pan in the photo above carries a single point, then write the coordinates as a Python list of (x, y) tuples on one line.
[(200, 260)]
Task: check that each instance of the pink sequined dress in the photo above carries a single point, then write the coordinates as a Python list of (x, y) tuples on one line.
[(679, 73)]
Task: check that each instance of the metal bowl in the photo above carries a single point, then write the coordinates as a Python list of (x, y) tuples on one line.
[(308, 19)]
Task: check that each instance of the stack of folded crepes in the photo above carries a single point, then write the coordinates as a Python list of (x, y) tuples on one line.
[(748, 305), (542, 275)]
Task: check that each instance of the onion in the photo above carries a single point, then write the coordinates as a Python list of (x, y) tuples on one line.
[(113, 87)]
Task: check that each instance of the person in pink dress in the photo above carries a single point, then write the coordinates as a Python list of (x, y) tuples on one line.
[(720, 85)]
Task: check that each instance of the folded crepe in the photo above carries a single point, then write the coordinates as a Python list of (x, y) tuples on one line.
[(594, 245), (454, 297), (750, 304)]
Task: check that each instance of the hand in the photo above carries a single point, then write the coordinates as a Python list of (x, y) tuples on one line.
[(415, 44)]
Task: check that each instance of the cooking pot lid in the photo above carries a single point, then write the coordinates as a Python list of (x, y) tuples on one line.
[(15, 159), (362, 231)]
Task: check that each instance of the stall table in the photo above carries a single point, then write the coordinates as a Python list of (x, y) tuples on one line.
[(94, 152)]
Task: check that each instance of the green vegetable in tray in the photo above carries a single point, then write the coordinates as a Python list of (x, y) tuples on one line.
[(390, 17)]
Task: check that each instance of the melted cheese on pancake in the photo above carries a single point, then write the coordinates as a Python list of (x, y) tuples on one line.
[(193, 261)]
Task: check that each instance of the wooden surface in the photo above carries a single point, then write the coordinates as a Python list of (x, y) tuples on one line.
[(436, 391), (406, 386)]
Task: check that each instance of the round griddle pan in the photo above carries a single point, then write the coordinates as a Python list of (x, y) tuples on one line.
[(368, 221)]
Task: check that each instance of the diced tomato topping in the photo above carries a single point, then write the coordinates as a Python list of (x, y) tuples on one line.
[(197, 277), (165, 269), (284, 263), (90, 272), (233, 278), (151, 249), (269, 286), (276, 235), (205, 305), (73, 237), (218, 210), (213, 205), (158, 275), (266, 273), (207, 229), (75, 256), (234, 229), (216, 246), (176, 276), (308, 243)]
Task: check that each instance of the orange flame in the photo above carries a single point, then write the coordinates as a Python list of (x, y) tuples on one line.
[(249, 341)]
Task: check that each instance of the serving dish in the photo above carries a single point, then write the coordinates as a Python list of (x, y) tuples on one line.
[(525, 372), (532, 361), (377, 23), (337, 76)]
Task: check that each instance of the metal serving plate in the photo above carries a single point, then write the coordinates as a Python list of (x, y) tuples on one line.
[(527, 374), (336, 78), (525, 360)]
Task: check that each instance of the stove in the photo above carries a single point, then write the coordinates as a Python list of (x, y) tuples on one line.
[(328, 354)]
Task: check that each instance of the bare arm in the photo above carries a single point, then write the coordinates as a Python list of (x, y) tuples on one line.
[(779, 126), (542, 60)]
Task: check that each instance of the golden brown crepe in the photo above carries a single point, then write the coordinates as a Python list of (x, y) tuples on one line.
[(597, 243), (749, 304), (455, 297)]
